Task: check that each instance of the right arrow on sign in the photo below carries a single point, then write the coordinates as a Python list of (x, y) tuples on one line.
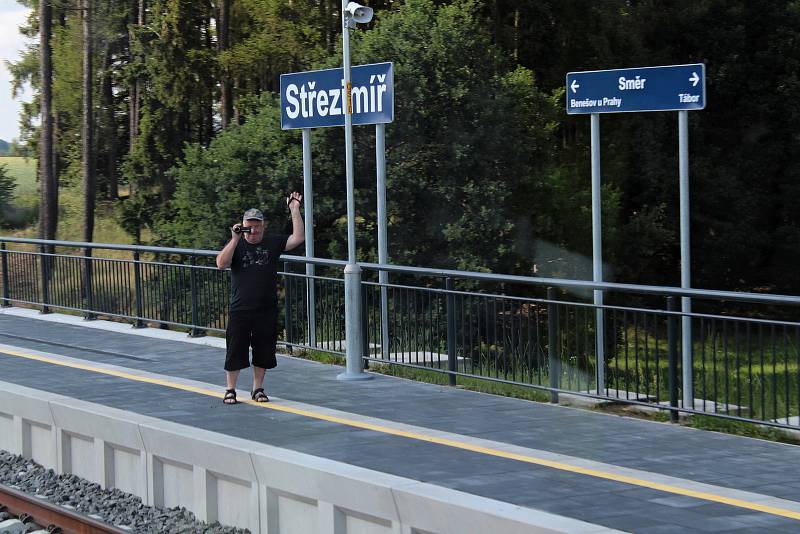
[(694, 79), (574, 86)]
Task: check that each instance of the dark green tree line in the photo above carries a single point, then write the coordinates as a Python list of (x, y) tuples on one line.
[(485, 169)]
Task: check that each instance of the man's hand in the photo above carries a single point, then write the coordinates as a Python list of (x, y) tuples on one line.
[(234, 234), (298, 228), (294, 201)]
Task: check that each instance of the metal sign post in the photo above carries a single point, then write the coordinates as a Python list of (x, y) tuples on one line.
[(383, 257), (352, 271), (308, 201), (666, 88), (597, 256), (686, 269)]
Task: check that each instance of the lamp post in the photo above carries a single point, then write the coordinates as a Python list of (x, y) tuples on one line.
[(352, 13)]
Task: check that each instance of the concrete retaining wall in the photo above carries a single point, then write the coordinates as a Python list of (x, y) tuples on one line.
[(243, 483)]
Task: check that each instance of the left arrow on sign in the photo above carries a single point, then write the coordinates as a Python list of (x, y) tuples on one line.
[(574, 86)]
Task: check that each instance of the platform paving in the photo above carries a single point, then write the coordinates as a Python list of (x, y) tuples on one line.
[(654, 449)]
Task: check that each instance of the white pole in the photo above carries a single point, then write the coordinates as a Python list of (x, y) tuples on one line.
[(686, 268), (352, 272), (597, 254), (308, 201), (383, 254)]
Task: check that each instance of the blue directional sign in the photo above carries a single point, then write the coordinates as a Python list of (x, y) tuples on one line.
[(672, 87), (318, 98)]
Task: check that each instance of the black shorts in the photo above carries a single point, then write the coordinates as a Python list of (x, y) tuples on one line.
[(257, 329)]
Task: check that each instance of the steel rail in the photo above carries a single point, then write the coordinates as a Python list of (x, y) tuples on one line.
[(46, 513)]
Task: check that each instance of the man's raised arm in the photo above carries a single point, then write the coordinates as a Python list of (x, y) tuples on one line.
[(225, 256), (298, 227)]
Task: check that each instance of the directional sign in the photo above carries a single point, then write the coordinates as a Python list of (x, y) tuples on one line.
[(673, 87), (317, 98)]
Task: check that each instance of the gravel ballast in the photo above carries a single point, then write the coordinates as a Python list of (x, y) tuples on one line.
[(111, 506)]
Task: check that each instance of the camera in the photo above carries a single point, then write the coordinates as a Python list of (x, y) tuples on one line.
[(242, 229)]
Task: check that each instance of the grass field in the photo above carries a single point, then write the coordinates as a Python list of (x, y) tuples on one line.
[(26, 197), (24, 173)]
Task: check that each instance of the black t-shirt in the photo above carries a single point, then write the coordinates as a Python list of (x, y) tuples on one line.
[(254, 274)]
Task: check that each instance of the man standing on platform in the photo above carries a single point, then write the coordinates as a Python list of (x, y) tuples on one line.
[(253, 317)]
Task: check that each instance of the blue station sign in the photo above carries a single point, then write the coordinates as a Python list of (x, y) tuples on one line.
[(318, 98), (666, 88)]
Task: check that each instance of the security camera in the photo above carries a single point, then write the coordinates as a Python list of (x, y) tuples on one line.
[(358, 13)]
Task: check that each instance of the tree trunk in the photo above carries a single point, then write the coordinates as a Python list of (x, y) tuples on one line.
[(223, 43), (87, 126), (57, 159), (110, 129), (48, 209), (137, 17), (58, 120)]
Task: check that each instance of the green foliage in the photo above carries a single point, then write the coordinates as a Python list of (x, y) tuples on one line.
[(18, 196), (272, 37), (451, 168), (741, 428), (470, 128), (6, 195), (252, 165), (486, 172), (171, 54)]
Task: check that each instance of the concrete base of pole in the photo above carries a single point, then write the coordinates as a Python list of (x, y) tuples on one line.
[(353, 325), (346, 377)]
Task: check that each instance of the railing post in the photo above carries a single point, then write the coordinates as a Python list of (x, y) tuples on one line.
[(672, 348), (6, 291), (87, 284), (194, 332), (451, 330), (288, 307), (553, 344), (365, 324), (43, 267), (311, 304), (137, 288)]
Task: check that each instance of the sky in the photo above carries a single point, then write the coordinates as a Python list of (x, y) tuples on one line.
[(12, 15)]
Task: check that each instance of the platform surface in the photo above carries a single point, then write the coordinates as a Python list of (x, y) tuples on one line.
[(632, 475)]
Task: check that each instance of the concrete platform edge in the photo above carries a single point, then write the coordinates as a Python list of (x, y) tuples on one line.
[(243, 483)]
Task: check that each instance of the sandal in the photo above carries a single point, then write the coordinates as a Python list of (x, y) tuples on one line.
[(259, 395), (230, 395)]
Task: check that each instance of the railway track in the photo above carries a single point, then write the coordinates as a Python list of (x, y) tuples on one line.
[(53, 518)]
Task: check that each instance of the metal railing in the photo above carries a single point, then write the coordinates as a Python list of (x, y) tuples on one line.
[(522, 332)]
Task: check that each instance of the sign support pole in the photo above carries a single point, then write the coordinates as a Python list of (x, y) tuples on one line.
[(308, 201), (383, 256), (686, 268), (597, 255), (352, 271)]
